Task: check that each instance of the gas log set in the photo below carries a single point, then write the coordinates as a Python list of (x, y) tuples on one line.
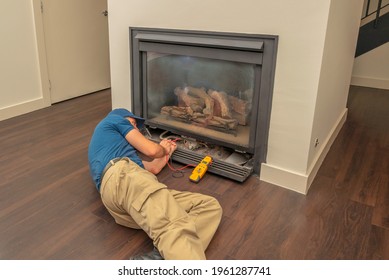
[(209, 107)]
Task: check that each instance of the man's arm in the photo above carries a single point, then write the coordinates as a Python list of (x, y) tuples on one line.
[(158, 152), (146, 146), (155, 166)]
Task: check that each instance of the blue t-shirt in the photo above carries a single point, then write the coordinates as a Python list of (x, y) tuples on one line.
[(109, 142)]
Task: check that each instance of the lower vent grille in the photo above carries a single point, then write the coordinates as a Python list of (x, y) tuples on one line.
[(232, 171)]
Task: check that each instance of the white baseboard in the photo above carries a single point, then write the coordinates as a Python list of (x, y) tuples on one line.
[(284, 178), (22, 108), (318, 160), (299, 182), (370, 82)]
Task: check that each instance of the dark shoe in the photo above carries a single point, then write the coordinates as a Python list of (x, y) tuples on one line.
[(153, 255)]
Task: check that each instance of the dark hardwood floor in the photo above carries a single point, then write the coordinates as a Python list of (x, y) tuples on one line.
[(49, 208)]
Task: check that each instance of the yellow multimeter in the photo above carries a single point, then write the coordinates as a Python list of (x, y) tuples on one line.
[(200, 169)]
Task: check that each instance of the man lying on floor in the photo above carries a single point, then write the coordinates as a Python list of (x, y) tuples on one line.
[(181, 224)]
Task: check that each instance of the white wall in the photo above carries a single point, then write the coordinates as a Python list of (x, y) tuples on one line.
[(372, 68), (330, 110), (338, 58), (20, 78), (302, 29)]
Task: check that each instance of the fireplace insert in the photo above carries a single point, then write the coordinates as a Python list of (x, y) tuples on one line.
[(209, 91)]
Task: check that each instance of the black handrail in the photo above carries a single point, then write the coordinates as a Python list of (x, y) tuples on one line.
[(376, 12), (367, 9)]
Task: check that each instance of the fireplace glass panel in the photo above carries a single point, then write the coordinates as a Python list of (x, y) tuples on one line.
[(200, 96)]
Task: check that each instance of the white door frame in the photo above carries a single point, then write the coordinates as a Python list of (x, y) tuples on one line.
[(41, 47)]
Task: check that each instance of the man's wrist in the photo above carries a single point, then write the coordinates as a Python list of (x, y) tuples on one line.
[(165, 150)]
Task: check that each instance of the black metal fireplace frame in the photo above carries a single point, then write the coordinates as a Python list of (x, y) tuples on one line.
[(260, 50)]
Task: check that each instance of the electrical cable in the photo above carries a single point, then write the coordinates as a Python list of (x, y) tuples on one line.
[(177, 170)]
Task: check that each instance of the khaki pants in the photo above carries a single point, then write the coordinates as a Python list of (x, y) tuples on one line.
[(181, 224)]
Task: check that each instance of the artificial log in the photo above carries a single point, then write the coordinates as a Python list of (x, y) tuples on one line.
[(238, 105), (185, 100), (241, 119), (188, 114), (178, 112), (230, 123), (221, 103), (240, 108), (208, 101)]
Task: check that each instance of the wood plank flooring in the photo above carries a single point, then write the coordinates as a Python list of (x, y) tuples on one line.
[(49, 208)]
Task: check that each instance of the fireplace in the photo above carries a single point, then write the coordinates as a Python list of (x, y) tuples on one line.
[(211, 91)]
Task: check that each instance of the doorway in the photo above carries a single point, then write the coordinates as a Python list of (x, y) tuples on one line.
[(76, 47)]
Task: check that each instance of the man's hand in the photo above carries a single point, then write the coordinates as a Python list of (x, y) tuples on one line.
[(156, 165), (169, 146)]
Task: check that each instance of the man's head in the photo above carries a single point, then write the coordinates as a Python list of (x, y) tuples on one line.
[(133, 122), (129, 115)]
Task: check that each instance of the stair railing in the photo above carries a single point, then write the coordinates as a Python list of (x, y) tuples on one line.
[(377, 16), (376, 12)]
